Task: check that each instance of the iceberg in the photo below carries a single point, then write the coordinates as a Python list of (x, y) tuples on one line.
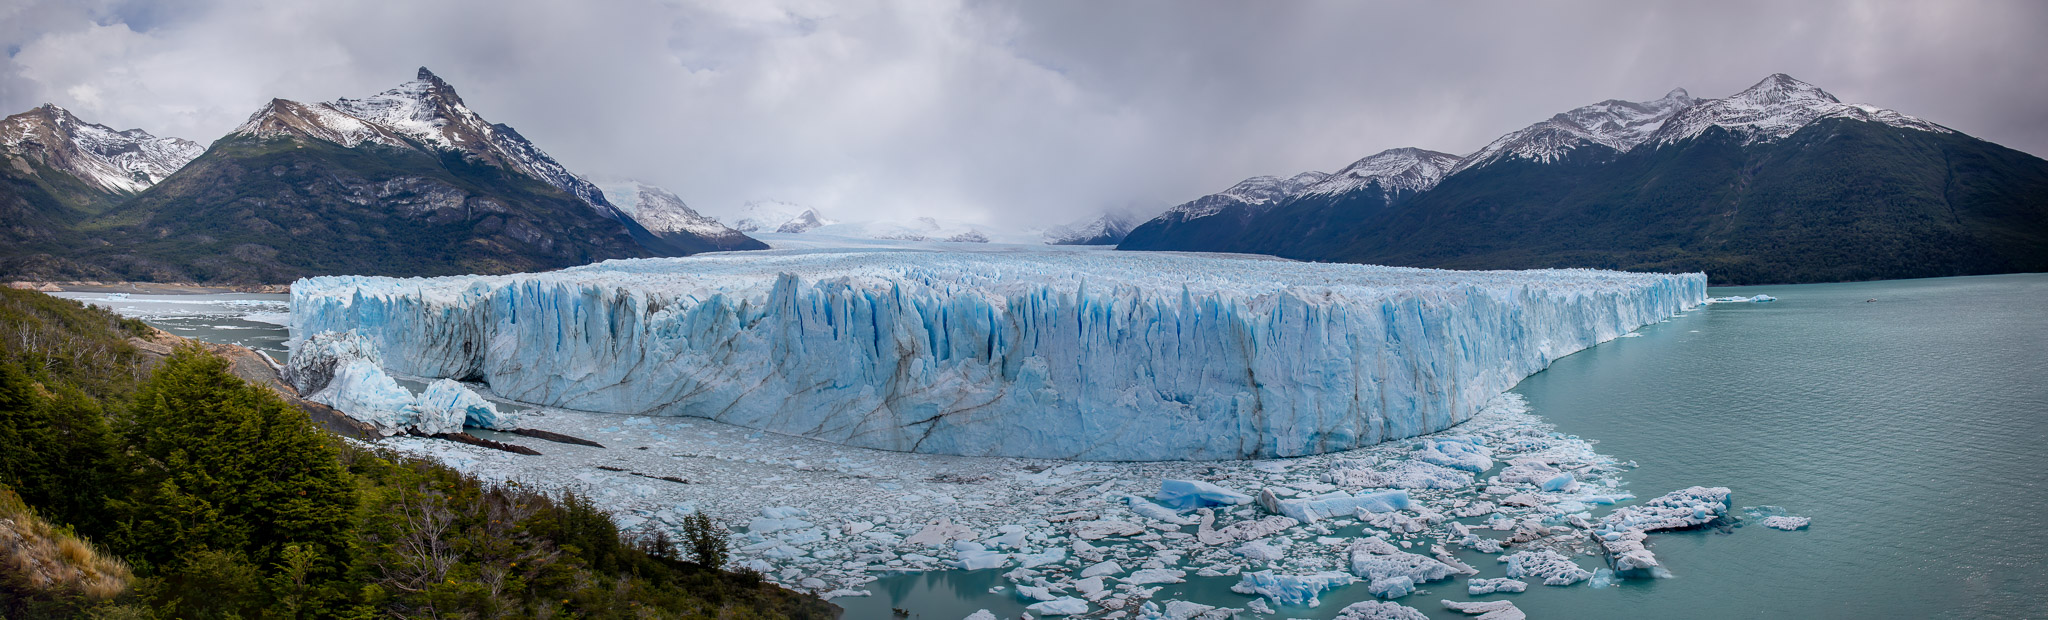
[(1291, 590), (1114, 356), (1478, 587), (1379, 610), (1341, 504), (1552, 568), (453, 405), (1192, 494)]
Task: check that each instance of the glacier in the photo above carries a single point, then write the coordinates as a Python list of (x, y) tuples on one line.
[(1123, 356)]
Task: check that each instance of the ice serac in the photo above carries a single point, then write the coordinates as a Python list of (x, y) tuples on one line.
[(1094, 356)]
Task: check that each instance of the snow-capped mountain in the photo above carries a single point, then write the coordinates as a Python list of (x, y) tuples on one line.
[(662, 212), (775, 216), (1105, 229), (1396, 170), (1776, 108), (1258, 193), (426, 114), (1779, 183), (115, 161), (1615, 124)]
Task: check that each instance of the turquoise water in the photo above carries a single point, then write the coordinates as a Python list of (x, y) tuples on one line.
[(1907, 418)]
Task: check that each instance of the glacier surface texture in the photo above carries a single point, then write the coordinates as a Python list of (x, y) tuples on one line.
[(1120, 356)]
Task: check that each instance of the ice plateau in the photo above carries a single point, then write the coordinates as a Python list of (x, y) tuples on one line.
[(1091, 356)]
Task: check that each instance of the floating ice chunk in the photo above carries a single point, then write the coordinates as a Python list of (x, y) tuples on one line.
[(1292, 590), (1465, 453), (1553, 569), (1560, 482), (1623, 531), (1776, 518), (975, 557), (1192, 494), (1602, 578), (448, 401), (1145, 508), (1156, 575), (784, 512), (1054, 555), (1395, 586), (1261, 551), (980, 615), (1035, 593), (1242, 530), (1062, 606), (1787, 523), (1740, 299), (1375, 560), (1379, 610), (1105, 568), (1478, 587), (1341, 504), (1098, 530), (1488, 610), (939, 533), (1401, 475)]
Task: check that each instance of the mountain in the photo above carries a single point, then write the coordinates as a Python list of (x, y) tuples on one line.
[(1614, 125), (120, 162), (665, 215), (57, 171), (1226, 222), (1779, 183), (408, 182), (775, 216), (1105, 229), (1216, 220)]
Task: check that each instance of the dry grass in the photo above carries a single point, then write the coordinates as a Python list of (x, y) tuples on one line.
[(48, 560)]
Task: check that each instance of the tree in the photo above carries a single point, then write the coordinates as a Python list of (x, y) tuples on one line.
[(226, 465), (707, 541)]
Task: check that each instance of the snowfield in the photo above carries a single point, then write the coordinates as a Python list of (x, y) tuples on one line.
[(1113, 356)]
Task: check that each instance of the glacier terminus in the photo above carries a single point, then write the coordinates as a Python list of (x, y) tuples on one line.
[(1083, 355)]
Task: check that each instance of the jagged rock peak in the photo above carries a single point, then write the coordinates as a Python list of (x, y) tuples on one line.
[(118, 161)]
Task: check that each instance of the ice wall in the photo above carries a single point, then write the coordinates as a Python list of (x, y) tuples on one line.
[(1079, 355)]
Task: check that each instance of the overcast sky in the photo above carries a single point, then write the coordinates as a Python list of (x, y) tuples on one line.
[(1009, 113)]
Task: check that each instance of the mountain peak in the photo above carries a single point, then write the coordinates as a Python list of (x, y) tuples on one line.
[(1615, 124), (427, 76), (1780, 88), (116, 161), (1774, 108), (1404, 169)]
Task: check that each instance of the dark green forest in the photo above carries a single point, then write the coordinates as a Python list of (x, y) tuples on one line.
[(224, 501)]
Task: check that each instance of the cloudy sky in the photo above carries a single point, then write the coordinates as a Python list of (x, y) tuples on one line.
[(1012, 112)]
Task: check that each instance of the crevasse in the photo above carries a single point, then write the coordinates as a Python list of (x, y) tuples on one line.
[(1075, 355)]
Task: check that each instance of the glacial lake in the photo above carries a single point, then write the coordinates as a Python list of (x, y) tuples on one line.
[(1908, 419)]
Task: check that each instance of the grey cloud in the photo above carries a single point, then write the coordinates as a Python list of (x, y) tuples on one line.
[(1010, 112)]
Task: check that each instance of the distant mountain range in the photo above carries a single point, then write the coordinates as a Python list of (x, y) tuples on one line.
[(1781, 182), (406, 182)]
